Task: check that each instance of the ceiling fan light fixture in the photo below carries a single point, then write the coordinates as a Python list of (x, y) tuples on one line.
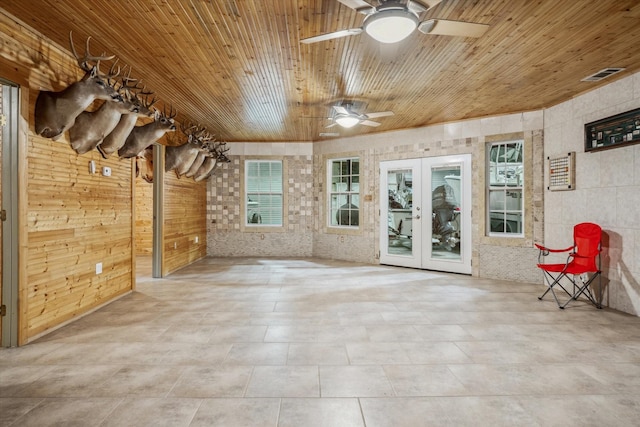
[(390, 25), (347, 121)]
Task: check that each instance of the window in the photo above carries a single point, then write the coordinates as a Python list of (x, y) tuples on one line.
[(504, 188), (264, 193), (344, 192)]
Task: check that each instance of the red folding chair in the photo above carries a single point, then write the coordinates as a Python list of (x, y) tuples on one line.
[(581, 268)]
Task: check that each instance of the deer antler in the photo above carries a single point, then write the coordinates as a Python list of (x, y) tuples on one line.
[(222, 157), (171, 114), (83, 62), (205, 136), (125, 84), (113, 73), (200, 133), (126, 79), (143, 96), (188, 128)]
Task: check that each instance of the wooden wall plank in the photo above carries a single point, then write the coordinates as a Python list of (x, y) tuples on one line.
[(185, 208), (144, 217), (69, 219)]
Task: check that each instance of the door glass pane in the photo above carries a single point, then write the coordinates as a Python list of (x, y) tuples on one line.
[(400, 190), (446, 206)]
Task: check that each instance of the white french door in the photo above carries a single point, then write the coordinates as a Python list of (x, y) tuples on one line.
[(425, 213)]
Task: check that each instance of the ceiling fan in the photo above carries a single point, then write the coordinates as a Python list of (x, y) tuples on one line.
[(394, 20), (347, 118)]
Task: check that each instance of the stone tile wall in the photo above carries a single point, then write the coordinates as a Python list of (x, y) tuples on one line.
[(488, 254), (607, 188), (226, 233), (607, 192), (306, 232)]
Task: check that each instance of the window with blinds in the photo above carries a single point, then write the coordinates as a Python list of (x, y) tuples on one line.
[(264, 190)]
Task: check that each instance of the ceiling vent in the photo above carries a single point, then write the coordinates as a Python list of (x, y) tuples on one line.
[(602, 74)]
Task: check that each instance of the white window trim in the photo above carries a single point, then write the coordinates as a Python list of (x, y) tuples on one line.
[(330, 193), (505, 189), (262, 226)]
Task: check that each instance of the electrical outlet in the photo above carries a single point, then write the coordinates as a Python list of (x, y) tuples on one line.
[(99, 268), (106, 171)]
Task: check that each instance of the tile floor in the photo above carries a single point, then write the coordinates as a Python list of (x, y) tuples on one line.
[(311, 342)]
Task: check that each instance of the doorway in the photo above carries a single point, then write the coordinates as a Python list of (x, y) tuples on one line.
[(425, 211)]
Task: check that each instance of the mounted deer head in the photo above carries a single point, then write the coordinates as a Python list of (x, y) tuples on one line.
[(55, 112), (180, 158), (143, 136), (209, 149), (199, 160), (91, 127), (144, 164), (211, 163), (116, 139)]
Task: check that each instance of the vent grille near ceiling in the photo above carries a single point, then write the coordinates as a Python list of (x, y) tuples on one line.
[(602, 74)]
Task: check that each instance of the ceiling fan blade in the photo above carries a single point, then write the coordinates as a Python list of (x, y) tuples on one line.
[(334, 35), (416, 6), (332, 125), (359, 6), (444, 27), (379, 114), (370, 123), (341, 110)]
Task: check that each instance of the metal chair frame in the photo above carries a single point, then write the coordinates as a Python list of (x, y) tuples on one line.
[(583, 258)]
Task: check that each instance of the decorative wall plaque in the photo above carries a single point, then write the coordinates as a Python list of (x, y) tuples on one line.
[(562, 173), (615, 131)]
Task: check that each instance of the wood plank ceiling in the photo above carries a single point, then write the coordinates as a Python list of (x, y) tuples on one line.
[(238, 67)]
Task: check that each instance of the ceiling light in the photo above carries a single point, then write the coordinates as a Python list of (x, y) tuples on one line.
[(390, 25), (347, 121)]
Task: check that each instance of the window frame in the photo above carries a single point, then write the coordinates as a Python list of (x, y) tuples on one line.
[(331, 213), (245, 212), (506, 188)]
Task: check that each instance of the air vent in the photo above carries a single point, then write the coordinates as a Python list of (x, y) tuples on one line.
[(329, 134), (602, 74)]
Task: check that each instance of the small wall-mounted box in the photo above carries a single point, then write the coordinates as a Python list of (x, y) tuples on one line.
[(562, 172), (106, 171)]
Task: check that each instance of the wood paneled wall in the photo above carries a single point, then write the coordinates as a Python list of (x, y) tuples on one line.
[(70, 219), (185, 210), (76, 220), (144, 217)]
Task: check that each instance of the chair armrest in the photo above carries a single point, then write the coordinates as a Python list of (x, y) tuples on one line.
[(545, 249)]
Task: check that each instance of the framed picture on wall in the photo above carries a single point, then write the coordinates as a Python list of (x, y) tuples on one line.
[(615, 131)]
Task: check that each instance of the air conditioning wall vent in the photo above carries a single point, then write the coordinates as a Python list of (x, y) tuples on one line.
[(602, 74)]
